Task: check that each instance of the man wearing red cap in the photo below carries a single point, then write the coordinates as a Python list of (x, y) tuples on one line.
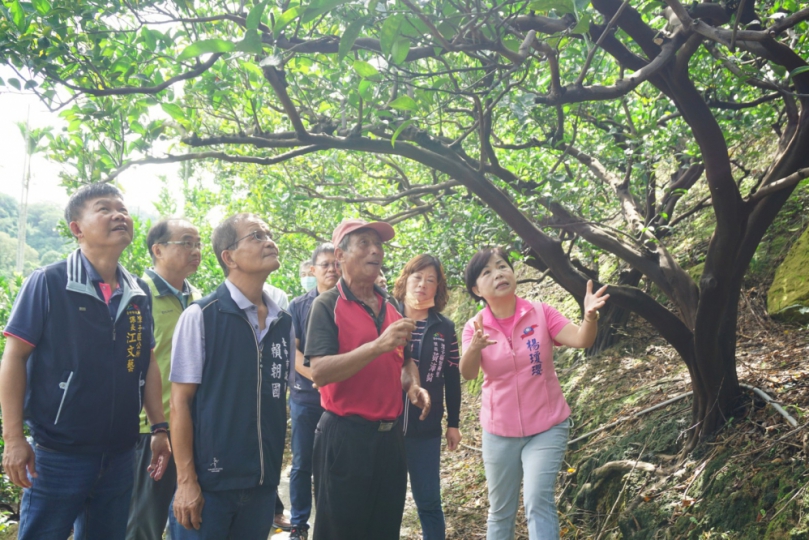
[(355, 345)]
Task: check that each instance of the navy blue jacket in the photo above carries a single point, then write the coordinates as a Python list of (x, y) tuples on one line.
[(437, 375), (85, 376), (300, 388), (239, 409)]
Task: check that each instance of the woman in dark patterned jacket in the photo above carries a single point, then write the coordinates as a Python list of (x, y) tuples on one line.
[(421, 289)]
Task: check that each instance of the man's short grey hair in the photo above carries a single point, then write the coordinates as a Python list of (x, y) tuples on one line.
[(160, 233), (346, 240), (225, 235), (325, 247)]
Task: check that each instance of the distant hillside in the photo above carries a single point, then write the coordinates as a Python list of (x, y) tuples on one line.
[(45, 244)]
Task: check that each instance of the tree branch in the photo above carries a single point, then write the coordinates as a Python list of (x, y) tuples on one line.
[(778, 185), (574, 94), (279, 85), (222, 156), (129, 90)]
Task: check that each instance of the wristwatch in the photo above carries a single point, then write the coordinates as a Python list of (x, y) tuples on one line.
[(161, 427)]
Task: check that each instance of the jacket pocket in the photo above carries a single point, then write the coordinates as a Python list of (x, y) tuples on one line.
[(141, 384), (64, 386)]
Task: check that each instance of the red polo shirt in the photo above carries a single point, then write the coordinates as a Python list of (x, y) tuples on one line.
[(339, 323)]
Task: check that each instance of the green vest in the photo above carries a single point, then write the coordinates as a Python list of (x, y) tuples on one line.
[(166, 311)]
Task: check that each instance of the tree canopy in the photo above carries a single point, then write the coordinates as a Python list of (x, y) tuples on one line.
[(587, 126)]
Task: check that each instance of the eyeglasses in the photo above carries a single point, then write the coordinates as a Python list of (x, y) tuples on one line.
[(258, 235), (324, 266), (187, 244)]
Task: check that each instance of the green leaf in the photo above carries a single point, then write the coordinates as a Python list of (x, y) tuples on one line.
[(560, 6), (352, 32), (389, 33), (43, 6), (254, 17), (400, 49), (799, 70), (251, 43), (583, 26), (286, 17), (14, 82), (364, 69), (206, 46), (365, 89), (173, 110), (318, 8), (404, 103), (400, 129), (18, 15), (581, 4), (511, 43), (149, 39)]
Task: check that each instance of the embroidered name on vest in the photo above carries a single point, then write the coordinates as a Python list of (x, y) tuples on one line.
[(533, 355), (134, 336)]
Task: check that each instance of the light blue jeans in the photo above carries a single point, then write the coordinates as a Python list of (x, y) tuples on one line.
[(536, 461)]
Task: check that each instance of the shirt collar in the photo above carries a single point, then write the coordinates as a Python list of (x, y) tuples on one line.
[(93, 275), (244, 303), (164, 287), (346, 293)]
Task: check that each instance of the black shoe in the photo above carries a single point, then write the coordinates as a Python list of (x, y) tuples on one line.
[(299, 533)]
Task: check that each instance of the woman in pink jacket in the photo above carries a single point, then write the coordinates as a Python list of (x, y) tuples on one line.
[(523, 412)]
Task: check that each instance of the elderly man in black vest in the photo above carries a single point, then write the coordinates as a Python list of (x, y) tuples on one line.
[(229, 366)]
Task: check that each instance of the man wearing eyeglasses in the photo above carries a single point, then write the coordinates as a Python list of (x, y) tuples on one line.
[(229, 364), (174, 245)]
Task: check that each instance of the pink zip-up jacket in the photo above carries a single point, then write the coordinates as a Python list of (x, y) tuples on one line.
[(521, 393)]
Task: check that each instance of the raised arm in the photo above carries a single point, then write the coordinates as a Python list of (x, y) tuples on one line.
[(584, 336), (339, 367), (470, 360)]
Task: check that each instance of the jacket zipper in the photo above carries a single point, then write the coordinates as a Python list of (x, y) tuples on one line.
[(258, 404), (514, 363), (64, 386), (141, 384), (258, 397)]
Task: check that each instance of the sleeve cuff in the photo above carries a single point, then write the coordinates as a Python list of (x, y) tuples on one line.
[(15, 336)]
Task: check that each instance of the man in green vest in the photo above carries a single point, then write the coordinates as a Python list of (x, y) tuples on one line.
[(174, 245)]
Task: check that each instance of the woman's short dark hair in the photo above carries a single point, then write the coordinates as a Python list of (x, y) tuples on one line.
[(417, 264), (478, 263)]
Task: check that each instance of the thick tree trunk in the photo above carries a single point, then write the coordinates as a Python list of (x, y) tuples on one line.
[(613, 317)]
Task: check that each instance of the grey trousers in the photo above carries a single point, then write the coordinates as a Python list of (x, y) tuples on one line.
[(149, 508)]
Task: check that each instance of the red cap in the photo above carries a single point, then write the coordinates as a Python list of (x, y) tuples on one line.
[(348, 226)]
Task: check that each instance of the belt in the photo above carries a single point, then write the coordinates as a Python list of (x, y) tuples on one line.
[(377, 425)]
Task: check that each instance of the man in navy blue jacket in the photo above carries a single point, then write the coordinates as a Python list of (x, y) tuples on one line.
[(77, 367), (229, 363)]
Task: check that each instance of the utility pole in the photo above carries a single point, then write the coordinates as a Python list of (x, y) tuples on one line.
[(23, 211)]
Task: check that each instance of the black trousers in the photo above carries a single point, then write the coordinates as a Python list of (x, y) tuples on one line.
[(360, 477)]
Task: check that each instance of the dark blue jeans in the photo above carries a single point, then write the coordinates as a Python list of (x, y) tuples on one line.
[(304, 421), (88, 492), (238, 514), (423, 464)]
